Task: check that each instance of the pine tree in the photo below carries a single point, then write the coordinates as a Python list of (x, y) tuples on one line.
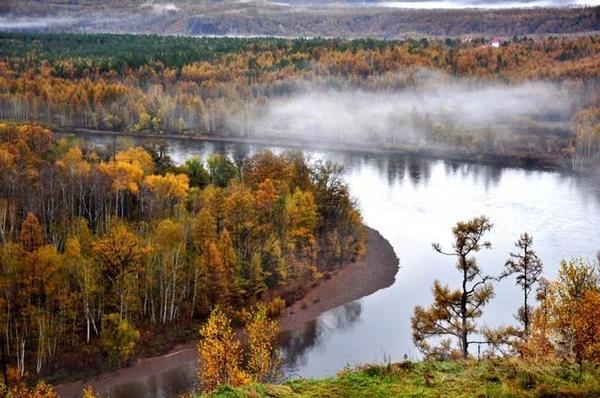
[(528, 268), (454, 311)]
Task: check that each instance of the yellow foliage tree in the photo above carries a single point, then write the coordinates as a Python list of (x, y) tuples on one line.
[(74, 163), (263, 355), (119, 338), (120, 252), (302, 219), (204, 229), (88, 392), (31, 233), (136, 156), (174, 186), (586, 325), (573, 320), (539, 345), (220, 354), (171, 251), (125, 176)]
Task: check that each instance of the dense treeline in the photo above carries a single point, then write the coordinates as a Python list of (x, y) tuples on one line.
[(125, 53), (223, 86), (97, 249), (518, 58)]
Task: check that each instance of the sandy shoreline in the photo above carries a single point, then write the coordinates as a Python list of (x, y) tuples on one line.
[(375, 271)]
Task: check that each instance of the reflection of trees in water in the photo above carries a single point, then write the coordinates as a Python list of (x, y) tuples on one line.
[(588, 185), (296, 344), (489, 175), (170, 383), (396, 169), (393, 168), (419, 170)]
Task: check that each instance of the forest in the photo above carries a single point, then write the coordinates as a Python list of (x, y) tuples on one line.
[(106, 255), (234, 87)]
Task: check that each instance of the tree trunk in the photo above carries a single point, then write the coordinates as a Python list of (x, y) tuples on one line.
[(463, 314)]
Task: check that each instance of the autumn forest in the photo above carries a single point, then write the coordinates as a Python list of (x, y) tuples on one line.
[(127, 240), (114, 253), (232, 87)]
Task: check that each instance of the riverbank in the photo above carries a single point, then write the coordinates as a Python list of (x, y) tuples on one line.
[(364, 148), (375, 271)]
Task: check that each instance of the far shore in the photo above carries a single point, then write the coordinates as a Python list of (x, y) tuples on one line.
[(366, 148), (375, 271)]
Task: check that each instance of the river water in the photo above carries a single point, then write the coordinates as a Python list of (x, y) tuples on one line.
[(413, 202)]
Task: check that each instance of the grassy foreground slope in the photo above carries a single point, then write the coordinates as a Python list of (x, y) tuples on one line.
[(489, 378)]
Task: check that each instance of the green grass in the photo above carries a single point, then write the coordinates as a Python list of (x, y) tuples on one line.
[(462, 379)]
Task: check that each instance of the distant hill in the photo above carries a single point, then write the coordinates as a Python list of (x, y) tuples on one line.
[(293, 18), (388, 23)]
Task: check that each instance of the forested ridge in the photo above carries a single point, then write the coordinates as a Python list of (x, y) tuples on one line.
[(226, 86), (292, 19), (104, 255)]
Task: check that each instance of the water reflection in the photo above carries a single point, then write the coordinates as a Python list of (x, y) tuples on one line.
[(166, 384), (389, 167), (298, 343)]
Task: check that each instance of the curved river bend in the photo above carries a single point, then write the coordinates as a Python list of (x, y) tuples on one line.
[(413, 202)]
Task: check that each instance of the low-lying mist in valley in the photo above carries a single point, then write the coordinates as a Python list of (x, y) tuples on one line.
[(11, 22), (440, 110), (72, 18)]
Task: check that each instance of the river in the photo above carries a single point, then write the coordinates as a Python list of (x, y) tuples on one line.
[(413, 202)]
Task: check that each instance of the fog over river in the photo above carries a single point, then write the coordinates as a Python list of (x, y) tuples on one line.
[(413, 202)]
